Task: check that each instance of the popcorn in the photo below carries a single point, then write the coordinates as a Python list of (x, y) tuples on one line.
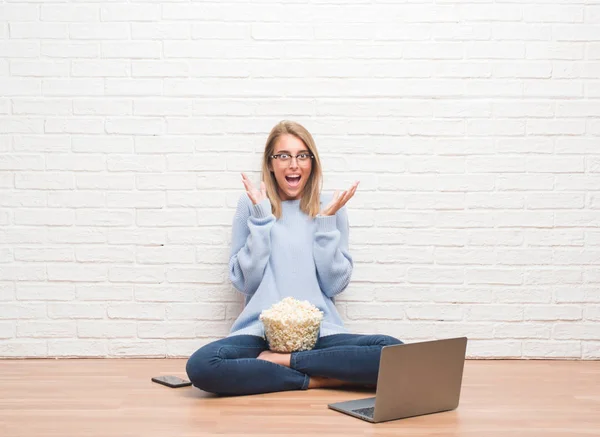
[(291, 325)]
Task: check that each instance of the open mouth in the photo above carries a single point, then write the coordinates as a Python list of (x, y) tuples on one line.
[(293, 180)]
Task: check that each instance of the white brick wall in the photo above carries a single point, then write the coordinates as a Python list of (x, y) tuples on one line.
[(473, 127)]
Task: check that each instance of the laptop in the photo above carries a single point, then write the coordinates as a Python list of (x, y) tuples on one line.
[(414, 379)]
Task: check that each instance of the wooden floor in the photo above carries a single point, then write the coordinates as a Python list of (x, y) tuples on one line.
[(111, 397)]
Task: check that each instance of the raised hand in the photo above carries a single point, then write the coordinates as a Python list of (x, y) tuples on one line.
[(339, 200), (254, 194)]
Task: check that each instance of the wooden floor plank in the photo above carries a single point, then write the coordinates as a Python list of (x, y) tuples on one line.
[(115, 397)]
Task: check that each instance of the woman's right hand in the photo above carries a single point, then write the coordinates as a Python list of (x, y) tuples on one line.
[(254, 194)]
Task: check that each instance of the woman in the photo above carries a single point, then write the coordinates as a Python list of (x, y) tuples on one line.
[(287, 240)]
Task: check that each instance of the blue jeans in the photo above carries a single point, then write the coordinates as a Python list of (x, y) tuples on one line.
[(229, 366)]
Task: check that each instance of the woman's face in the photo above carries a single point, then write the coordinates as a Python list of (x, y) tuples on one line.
[(291, 172)]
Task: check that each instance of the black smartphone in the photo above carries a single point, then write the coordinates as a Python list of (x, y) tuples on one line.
[(171, 381)]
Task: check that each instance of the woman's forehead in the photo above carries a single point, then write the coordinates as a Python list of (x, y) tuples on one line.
[(289, 143)]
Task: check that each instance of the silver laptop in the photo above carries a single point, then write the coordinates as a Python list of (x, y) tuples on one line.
[(414, 379)]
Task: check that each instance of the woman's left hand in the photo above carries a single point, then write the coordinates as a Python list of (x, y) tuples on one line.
[(339, 200)]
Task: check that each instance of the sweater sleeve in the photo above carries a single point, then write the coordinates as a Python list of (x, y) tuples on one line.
[(332, 258), (250, 244)]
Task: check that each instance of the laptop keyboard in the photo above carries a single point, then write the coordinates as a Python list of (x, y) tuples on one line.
[(365, 411)]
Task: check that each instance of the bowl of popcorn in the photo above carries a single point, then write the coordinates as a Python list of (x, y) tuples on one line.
[(291, 325)]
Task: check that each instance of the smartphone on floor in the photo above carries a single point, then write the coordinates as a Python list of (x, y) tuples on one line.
[(171, 381)]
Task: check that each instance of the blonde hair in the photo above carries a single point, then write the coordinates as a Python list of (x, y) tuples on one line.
[(310, 203)]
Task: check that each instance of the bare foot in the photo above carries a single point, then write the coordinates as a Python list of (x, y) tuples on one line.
[(322, 382), (274, 357)]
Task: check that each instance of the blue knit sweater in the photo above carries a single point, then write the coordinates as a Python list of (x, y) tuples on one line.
[(298, 256)]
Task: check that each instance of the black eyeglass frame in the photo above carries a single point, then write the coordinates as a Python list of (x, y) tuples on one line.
[(278, 156)]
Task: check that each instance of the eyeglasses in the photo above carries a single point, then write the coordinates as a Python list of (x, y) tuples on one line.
[(302, 158)]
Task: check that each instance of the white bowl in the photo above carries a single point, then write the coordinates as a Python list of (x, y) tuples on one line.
[(291, 325)]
